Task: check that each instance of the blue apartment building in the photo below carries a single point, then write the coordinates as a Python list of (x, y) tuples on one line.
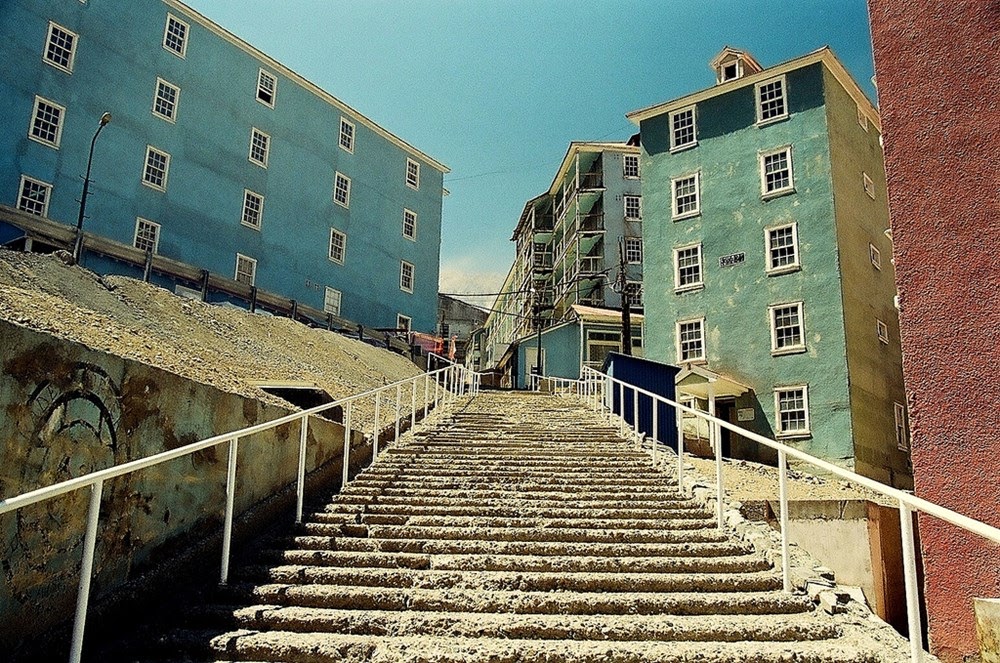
[(217, 157)]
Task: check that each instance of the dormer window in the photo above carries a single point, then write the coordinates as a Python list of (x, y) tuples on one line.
[(732, 63), (730, 71)]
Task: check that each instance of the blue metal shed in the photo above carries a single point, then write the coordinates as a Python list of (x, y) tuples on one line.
[(654, 377)]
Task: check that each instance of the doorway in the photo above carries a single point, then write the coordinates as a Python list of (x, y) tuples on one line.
[(725, 409)]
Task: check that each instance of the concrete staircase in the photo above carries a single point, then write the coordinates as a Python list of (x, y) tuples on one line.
[(517, 528)]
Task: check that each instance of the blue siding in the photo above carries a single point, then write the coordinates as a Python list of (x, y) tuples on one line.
[(653, 377)]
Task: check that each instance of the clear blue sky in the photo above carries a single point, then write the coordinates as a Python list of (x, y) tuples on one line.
[(496, 89)]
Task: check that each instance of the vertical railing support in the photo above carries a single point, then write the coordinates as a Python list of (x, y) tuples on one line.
[(786, 570), (227, 527), (86, 570), (717, 439), (375, 432), (399, 398), (413, 404), (680, 449), (910, 578), (635, 410), (621, 407), (346, 466), (427, 384), (655, 435), (300, 486)]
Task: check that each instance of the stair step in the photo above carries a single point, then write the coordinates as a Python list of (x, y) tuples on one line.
[(702, 532), (332, 527), (654, 514)]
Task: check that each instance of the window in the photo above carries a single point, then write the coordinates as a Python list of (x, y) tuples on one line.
[(875, 255), (882, 331), (682, 129), (246, 269), (869, 186), (409, 224), (260, 146), (342, 190), (862, 118), (787, 333), (253, 209), (338, 246), (687, 268), (267, 87), (147, 235), (405, 276), (791, 409), (776, 172), (33, 196), (633, 207), (771, 104), (175, 36), (633, 250), (165, 100), (331, 301), (631, 166), (157, 166), (686, 198), (782, 249), (60, 47), (403, 322), (347, 135), (634, 290), (899, 415), (691, 340), (445, 330), (412, 174), (46, 122)]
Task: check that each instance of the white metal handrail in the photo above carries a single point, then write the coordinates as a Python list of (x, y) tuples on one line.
[(599, 390), (454, 381)]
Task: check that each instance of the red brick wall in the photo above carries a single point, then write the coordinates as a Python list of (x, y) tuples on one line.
[(937, 73)]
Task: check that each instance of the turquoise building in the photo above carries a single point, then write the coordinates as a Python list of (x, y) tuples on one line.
[(216, 158), (767, 266)]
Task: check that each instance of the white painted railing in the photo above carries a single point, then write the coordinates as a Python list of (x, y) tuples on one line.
[(449, 383), (598, 390)]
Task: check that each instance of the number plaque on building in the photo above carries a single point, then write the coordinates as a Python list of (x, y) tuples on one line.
[(732, 259)]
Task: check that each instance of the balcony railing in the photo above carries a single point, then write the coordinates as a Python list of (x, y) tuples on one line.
[(544, 223), (591, 265), (591, 222), (591, 180), (543, 261)]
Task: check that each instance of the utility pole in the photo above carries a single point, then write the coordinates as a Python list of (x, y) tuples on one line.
[(626, 303), (537, 317)]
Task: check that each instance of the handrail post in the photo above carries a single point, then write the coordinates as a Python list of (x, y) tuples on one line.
[(399, 397), (621, 408), (346, 465), (717, 440), (413, 403), (427, 384), (227, 527), (786, 571), (635, 410), (375, 432), (656, 427), (301, 483), (680, 449), (86, 570), (436, 386), (910, 577)]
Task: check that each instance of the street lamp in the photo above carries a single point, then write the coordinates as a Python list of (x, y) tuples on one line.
[(78, 245)]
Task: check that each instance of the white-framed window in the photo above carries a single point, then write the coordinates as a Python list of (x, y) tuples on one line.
[(33, 196), (166, 98), (342, 190), (60, 47), (862, 118), (346, 139), (634, 290), (882, 331), (899, 420), (771, 102), (404, 322), (875, 255), (633, 250), (776, 172), (175, 36), (869, 185), (688, 271), (246, 269), (683, 130), (791, 410), (338, 246), (253, 209), (267, 88), (691, 340), (630, 166), (260, 147), (147, 235), (686, 196), (787, 328), (782, 248), (46, 122), (156, 168), (331, 301), (405, 276), (412, 174), (409, 224), (633, 207)]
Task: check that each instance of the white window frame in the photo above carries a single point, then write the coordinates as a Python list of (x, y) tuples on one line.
[(332, 294), (633, 250), (160, 84), (788, 188), (342, 249), (54, 143), (761, 120), (677, 339), (248, 197), (266, 140), (899, 424), (409, 216), (793, 266), (875, 255), (882, 331), (252, 262), (634, 293), (678, 287), (862, 118), (41, 186), (780, 432), (869, 185), (262, 76), (145, 167), (345, 123), (675, 214), (337, 179), (68, 67), (184, 41), (404, 322), (674, 145), (413, 168), (403, 264), (628, 173), (772, 311), (139, 223), (637, 200)]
